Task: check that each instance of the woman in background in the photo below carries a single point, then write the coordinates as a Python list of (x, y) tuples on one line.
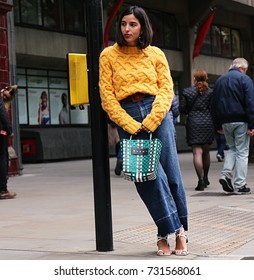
[(196, 103)]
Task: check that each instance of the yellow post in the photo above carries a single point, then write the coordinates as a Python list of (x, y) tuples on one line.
[(78, 79)]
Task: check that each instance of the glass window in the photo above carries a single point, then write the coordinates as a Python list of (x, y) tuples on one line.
[(57, 82), (73, 15), (62, 15), (21, 81), (22, 105), (157, 24), (206, 48), (79, 116), (37, 81), (36, 72), (171, 40), (236, 43), (58, 74), (216, 40), (30, 12), (43, 99), (16, 11), (51, 14), (226, 41)]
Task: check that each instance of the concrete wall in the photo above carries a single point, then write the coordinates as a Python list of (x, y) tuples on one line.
[(58, 143), (39, 48)]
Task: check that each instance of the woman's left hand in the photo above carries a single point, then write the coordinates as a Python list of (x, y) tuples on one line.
[(142, 128)]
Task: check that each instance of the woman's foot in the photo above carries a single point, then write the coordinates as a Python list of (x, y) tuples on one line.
[(206, 182), (201, 185), (181, 246), (163, 247)]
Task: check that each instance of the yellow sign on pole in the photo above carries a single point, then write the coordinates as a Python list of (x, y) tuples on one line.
[(78, 79)]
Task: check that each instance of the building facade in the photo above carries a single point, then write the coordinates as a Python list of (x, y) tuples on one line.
[(44, 32)]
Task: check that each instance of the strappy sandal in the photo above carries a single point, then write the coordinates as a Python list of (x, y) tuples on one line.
[(162, 252), (181, 252)]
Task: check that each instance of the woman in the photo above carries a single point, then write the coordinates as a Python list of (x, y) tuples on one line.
[(5, 133), (43, 110), (195, 102), (136, 91)]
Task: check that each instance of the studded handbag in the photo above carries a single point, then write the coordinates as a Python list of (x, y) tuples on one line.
[(140, 158)]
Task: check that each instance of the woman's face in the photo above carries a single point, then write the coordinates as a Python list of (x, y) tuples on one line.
[(131, 29)]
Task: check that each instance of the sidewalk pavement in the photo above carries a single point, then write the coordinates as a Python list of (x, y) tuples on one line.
[(52, 217)]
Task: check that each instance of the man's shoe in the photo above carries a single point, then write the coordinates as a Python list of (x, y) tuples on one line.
[(226, 184), (219, 157), (242, 190), (7, 195)]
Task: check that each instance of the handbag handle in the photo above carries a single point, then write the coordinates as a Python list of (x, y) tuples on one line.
[(149, 133)]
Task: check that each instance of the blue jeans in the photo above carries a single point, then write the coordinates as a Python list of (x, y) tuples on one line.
[(237, 156), (221, 144), (165, 196)]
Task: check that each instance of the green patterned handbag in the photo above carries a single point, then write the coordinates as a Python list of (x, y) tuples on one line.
[(140, 158)]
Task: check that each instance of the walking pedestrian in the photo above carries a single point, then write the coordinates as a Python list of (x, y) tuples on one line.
[(195, 103), (233, 111), (136, 90), (5, 132)]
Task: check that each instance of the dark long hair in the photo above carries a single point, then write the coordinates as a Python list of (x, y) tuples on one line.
[(146, 35)]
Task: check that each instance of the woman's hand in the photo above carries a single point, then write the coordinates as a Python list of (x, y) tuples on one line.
[(142, 128)]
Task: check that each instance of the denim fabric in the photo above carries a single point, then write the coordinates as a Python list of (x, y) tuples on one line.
[(221, 144), (237, 156), (164, 197)]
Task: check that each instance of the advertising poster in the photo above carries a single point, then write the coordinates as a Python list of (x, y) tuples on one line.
[(22, 104)]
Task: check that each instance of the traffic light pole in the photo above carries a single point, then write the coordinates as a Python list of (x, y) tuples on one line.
[(100, 149)]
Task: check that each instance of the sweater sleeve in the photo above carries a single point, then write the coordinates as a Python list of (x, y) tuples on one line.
[(108, 98), (165, 94)]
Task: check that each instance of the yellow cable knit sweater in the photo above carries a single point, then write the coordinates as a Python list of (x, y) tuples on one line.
[(127, 70)]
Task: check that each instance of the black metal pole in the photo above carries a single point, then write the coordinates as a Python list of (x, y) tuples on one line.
[(100, 150)]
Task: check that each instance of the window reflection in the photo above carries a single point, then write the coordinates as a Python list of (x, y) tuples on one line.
[(226, 42), (30, 12), (236, 43), (51, 13), (62, 15), (73, 14), (216, 40), (222, 41)]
